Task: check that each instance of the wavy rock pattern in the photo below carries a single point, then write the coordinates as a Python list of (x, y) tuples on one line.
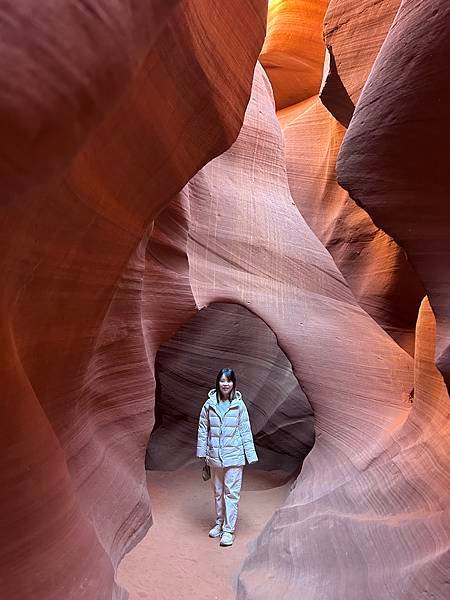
[(229, 334), (95, 151), (374, 266), (395, 138), (92, 153), (393, 542), (351, 495)]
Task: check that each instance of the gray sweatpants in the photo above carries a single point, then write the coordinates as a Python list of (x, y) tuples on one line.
[(227, 491)]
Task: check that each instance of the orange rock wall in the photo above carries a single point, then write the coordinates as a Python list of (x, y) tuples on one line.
[(353, 33), (374, 266), (293, 50)]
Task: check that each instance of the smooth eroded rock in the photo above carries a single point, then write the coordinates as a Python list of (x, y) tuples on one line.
[(353, 33), (394, 160), (293, 50), (374, 266), (113, 109)]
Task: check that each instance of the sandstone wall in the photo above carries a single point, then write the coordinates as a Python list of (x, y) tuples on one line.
[(135, 194), (107, 110)]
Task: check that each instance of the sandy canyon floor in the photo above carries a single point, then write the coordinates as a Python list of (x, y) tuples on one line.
[(177, 559)]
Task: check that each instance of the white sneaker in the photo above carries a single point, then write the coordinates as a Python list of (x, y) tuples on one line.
[(227, 539), (216, 531)]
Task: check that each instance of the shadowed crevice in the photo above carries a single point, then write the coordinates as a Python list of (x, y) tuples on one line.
[(334, 95)]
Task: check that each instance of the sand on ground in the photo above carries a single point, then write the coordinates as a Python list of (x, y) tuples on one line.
[(177, 560)]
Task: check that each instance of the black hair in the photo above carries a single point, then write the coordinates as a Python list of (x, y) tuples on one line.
[(229, 374)]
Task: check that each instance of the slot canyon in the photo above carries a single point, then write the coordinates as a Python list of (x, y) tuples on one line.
[(194, 184)]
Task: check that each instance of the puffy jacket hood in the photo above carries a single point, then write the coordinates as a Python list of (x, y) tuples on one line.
[(213, 399)]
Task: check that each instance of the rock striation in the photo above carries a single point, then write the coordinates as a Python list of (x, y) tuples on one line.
[(353, 34), (373, 264), (107, 111), (355, 481), (394, 161), (139, 201)]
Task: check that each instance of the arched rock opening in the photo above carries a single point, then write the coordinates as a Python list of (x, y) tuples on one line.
[(282, 421), (185, 368)]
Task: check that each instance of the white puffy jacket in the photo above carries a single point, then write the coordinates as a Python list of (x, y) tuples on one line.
[(225, 441)]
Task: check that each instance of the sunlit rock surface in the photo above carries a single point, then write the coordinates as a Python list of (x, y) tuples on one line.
[(107, 110), (293, 51), (373, 264), (353, 33)]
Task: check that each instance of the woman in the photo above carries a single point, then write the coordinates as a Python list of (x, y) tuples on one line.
[(225, 440)]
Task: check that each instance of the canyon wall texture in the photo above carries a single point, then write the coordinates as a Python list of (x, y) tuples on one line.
[(138, 199), (362, 491), (107, 110), (374, 266), (396, 136), (293, 50)]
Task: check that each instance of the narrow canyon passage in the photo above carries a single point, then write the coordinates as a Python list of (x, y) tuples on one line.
[(189, 185), (177, 559)]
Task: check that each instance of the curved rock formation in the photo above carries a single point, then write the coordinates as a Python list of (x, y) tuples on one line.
[(359, 382), (229, 334), (394, 161), (393, 542), (91, 288), (374, 266), (289, 262), (76, 394), (353, 33), (293, 50)]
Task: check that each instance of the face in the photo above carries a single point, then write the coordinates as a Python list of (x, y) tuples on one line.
[(225, 386)]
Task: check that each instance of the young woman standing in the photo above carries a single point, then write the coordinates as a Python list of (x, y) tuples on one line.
[(225, 440)]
